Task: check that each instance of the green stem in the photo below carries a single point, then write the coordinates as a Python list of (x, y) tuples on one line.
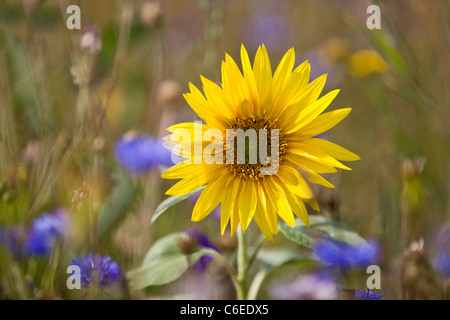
[(242, 265), (255, 253), (256, 285), (220, 258)]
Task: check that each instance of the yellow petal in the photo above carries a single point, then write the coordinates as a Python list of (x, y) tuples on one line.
[(250, 79), (311, 112), (210, 197), (183, 170), (280, 78), (233, 82), (322, 123), (270, 210), (247, 203), (280, 201), (331, 149), (262, 224), (263, 75), (234, 218), (301, 100), (315, 155), (314, 164), (227, 204), (313, 204), (218, 100), (314, 177), (297, 205), (202, 107), (296, 82), (294, 181), (193, 182)]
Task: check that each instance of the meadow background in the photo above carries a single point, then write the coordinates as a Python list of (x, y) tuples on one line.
[(65, 102)]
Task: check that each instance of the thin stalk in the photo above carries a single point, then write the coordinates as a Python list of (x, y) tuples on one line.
[(256, 285), (255, 253), (242, 265), (220, 258)]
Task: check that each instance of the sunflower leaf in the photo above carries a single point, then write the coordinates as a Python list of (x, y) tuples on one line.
[(320, 227), (170, 201), (272, 259), (164, 263)]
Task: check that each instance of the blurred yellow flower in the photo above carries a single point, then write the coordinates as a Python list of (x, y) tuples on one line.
[(366, 62), (257, 99), (335, 49)]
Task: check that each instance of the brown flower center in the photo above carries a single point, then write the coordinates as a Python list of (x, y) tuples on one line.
[(254, 147)]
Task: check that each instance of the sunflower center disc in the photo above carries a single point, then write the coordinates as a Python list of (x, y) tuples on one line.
[(252, 171)]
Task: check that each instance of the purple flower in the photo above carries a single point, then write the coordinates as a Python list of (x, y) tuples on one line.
[(3, 234), (140, 153), (201, 240), (11, 239), (440, 249), (46, 231), (97, 270), (314, 286), (368, 295), (344, 255)]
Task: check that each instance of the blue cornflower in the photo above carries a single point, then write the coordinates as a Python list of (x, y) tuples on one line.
[(10, 239), (46, 231), (2, 235), (96, 270), (442, 264), (368, 295), (201, 240), (344, 255), (140, 153)]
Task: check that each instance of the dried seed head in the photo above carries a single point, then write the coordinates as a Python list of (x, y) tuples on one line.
[(187, 243)]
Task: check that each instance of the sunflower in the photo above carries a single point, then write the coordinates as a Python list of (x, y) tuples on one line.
[(284, 102)]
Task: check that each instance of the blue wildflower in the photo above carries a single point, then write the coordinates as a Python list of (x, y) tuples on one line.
[(140, 153), (344, 255), (46, 231), (2, 235), (10, 239), (201, 240), (13, 241), (96, 270), (442, 264), (368, 295)]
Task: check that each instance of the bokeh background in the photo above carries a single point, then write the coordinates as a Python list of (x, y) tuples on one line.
[(67, 96)]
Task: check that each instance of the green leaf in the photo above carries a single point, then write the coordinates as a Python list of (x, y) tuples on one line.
[(320, 227), (164, 263), (117, 204), (167, 203), (272, 259)]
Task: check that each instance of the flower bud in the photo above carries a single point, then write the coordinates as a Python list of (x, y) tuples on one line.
[(187, 243)]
